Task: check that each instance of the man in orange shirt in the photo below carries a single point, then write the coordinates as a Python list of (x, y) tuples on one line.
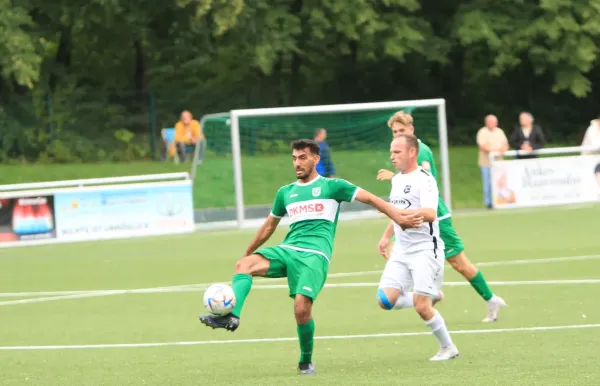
[(489, 138), (188, 133)]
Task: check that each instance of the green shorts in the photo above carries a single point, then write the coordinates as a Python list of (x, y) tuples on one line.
[(306, 271), (453, 245)]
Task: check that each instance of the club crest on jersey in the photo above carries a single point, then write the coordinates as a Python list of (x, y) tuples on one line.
[(407, 189), (316, 192)]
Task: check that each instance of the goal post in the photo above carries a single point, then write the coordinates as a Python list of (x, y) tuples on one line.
[(364, 122)]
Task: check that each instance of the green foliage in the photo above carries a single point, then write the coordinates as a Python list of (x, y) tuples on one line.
[(19, 59), (560, 38), (78, 72)]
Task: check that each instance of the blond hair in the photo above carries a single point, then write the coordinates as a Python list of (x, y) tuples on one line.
[(400, 117)]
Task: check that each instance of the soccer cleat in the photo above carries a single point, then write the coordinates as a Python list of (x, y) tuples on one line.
[(228, 322), (438, 298), (306, 368), (445, 354), (494, 305)]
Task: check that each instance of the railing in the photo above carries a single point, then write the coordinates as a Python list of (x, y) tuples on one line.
[(553, 150), (95, 181)]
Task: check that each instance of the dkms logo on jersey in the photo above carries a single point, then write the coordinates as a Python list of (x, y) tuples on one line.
[(300, 209)]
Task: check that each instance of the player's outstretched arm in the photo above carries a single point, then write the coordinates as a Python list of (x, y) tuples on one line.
[(264, 233), (399, 216)]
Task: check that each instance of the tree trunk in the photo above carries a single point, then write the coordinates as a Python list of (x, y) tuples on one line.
[(62, 60)]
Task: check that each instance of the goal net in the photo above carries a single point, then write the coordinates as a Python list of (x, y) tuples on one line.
[(248, 151)]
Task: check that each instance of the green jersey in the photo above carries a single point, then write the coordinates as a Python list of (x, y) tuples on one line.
[(313, 209), (425, 160)]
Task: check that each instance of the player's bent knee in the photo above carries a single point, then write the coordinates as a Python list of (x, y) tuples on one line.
[(242, 266), (252, 265), (383, 301)]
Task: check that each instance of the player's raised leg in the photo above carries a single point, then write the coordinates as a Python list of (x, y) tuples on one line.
[(245, 269)]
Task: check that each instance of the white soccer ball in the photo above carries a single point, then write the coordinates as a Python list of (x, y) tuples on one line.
[(219, 299)]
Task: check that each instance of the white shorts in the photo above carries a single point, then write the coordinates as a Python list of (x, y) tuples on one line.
[(423, 271)]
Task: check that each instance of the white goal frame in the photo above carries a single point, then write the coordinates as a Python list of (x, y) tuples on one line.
[(235, 116)]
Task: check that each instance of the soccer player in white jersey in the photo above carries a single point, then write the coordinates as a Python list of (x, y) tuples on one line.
[(312, 204), (417, 259), (402, 123)]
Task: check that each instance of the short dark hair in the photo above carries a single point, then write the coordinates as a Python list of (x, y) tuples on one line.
[(411, 141), (311, 144), (597, 170)]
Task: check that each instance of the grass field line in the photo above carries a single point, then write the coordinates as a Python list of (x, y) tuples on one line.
[(294, 339), (485, 264), (371, 214), (92, 294), (259, 280)]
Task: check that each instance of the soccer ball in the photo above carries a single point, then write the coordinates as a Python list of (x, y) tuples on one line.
[(219, 299)]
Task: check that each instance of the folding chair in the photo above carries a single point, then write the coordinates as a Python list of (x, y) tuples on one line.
[(168, 136)]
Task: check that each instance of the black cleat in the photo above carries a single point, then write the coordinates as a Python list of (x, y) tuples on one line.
[(228, 322), (306, 368)]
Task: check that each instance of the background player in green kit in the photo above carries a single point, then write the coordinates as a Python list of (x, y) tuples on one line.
[(312, 204), (402, 123)]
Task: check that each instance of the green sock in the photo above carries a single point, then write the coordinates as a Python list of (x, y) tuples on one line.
[(480, 285), (306, 335), (241, 285)]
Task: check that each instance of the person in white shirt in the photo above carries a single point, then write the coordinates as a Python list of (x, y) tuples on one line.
[(592, 137), (417, 259)]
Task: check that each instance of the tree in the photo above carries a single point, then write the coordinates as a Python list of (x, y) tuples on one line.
[(557, 37), (19, 57)]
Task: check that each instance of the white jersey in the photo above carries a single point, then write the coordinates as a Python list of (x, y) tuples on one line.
[(415, 190)]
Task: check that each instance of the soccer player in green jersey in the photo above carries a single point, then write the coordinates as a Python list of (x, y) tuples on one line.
[(402, 123), (312, 204)]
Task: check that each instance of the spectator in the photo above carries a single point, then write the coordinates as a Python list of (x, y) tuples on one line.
[(526, 136), (325, 165), (188, 134), (489, 138), (592, 137)]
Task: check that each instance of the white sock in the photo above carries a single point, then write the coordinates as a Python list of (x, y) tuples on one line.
[(438, 327), (405, 300)]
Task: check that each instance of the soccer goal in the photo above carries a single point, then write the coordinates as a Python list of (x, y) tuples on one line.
[(255, 146)]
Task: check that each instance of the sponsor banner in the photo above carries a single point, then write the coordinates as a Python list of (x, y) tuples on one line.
[(27, 218), (123, 211), (546, 181)]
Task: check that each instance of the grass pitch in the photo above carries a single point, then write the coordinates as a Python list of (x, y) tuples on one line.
[(544, 263)]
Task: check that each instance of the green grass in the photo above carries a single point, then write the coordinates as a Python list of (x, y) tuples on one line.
[(262, 176), (541, 357)]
